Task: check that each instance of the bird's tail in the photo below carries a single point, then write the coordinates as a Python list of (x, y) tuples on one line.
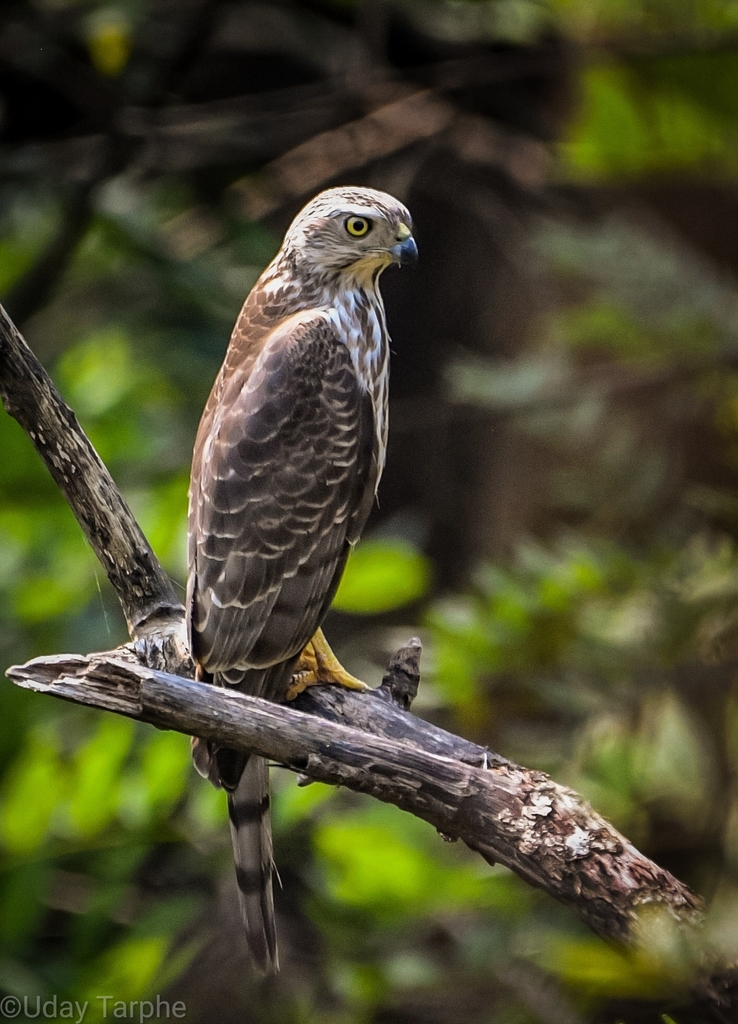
[(245, 777), (251, 834)]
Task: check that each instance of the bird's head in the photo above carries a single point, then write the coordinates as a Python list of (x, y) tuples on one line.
[(355, 232)]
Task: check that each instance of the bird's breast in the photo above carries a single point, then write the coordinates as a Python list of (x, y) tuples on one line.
[(362, 326)]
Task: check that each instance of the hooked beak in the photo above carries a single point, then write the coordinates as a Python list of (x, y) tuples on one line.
[(405, 253)]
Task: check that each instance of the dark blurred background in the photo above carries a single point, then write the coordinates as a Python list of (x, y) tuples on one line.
[(558, 517)]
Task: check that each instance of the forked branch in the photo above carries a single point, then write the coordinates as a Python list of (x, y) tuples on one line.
[(366, 742)]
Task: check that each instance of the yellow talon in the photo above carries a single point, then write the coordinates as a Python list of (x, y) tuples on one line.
[(299, 682), (318, 664)]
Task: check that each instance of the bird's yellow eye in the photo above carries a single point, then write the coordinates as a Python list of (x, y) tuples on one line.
[(358, 226)]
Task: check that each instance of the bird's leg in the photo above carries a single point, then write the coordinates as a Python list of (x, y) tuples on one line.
[(330, 669), (305, 674), (318, 664)]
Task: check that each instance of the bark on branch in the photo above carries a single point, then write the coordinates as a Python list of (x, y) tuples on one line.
[(370, 743), (367, 742), (145, 591)]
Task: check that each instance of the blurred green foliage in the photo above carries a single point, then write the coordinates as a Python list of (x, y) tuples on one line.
[(579, 651), (382, 575)]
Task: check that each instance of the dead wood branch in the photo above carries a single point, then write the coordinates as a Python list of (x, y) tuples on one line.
[(28, 394), (366, 742)]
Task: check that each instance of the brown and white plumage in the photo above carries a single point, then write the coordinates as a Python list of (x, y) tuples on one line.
[(287, 461)]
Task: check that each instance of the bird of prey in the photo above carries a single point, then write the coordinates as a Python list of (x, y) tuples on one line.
[(286, 465)]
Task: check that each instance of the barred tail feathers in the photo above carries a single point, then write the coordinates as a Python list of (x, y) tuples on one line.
[(251, 834), (245, 777)]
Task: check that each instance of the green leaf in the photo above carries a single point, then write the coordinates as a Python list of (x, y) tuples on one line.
[(109, 41), (99, 372), (382, 575), (33, 788), (377, 860), (674, 760), (655, 115), (21, 904), (291, 803), (97, 775), (166, 766), (129, 970), (591, 966)]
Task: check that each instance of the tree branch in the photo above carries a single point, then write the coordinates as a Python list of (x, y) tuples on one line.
[(145, 591), (405, 117), (368, 743)]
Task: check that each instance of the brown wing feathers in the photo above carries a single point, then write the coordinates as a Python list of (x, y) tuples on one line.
[(283, 466), (283, 470)]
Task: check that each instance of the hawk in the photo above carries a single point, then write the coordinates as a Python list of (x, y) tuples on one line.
[(286, 465)]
